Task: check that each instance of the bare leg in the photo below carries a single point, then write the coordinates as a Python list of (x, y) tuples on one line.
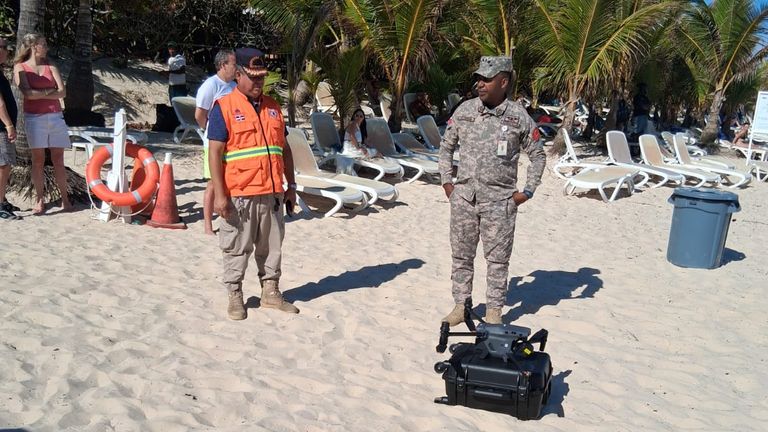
[(5, 173), (60, 172), (208, 197), (38, 164)]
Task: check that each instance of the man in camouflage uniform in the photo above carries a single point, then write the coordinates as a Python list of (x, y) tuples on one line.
[(491, 130)]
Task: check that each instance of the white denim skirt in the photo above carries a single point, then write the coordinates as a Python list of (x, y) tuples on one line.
[(46, 131)]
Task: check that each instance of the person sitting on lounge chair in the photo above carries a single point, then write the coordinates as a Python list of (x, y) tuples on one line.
[(421, 106), (354, 142)]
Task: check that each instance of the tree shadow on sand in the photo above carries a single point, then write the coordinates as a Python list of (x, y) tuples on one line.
[(366, 277), (549, 288)]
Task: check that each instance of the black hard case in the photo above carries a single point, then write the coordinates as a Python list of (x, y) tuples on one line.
[(519, 387)]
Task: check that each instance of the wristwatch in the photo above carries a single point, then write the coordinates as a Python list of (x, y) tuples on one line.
[(528, 193), (292, 186)]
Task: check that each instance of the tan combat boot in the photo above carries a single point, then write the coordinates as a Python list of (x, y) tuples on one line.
[(493, 316), (236, 308), (456, 316), (271, 298)]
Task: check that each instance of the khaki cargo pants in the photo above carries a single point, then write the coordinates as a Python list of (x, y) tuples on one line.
[(494, 223), (254, 227)]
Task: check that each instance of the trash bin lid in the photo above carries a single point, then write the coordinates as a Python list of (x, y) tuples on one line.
[(705, 194)]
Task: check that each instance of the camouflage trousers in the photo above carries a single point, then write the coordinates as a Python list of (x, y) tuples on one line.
[(253, 228), (494, 224)]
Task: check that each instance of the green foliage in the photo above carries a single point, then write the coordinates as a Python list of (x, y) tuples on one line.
[(143, 27), (396, 33), (7, 20), (438, 84), (342, 69), (723, 43)]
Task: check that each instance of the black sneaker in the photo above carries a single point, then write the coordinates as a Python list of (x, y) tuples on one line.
[(13, 207), (6, 212)]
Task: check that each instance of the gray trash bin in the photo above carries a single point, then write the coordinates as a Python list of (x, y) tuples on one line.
[(700, 226)]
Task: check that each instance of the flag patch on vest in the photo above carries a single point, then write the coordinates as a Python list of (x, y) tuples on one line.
[(239, 116), (273, 113)]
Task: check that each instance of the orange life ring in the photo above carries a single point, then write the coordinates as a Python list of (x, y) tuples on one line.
[(140, 194)]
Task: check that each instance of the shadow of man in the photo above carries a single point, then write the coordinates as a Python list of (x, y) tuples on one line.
[(366, 277), (560, 389), (548, 288)]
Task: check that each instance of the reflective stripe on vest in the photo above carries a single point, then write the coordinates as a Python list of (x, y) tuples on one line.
[(252, 152)]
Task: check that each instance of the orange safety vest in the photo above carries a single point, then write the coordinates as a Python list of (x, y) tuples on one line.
[(248, 158)]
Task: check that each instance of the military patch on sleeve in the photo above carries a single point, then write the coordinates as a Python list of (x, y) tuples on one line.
[(513, 121)]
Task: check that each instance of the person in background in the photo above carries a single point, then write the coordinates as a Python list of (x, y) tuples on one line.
[(421, 106), (177, 72), (8, 113), (40, 83), (213, 88), (641, 109)]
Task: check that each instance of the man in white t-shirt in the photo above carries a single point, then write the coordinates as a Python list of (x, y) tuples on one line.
[(213, 88), (177, 72)]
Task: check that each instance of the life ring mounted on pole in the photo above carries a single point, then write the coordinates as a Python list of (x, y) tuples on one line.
[(140, 194)]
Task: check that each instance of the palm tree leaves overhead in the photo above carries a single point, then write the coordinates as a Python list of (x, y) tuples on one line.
[(300, 21), (396, 33), (722, 43), (342, 68), (582, 39)]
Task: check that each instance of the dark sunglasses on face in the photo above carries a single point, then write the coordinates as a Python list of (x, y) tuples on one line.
[(483, 79)]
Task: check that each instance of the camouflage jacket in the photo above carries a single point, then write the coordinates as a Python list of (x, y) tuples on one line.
[(490, 141)]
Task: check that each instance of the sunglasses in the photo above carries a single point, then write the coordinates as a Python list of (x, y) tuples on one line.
[(484, 79)]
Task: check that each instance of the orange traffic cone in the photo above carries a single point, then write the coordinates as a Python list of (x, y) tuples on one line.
[(137, 178), (166, 212)]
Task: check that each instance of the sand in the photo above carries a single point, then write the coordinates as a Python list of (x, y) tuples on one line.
[(114, 327)]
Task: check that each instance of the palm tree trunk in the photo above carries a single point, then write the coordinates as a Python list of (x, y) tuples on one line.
[(709, 135), (610, 122), (31, 20), (80, 80)]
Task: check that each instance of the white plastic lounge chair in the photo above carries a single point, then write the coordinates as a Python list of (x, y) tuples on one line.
[(381, 139), (327, 137), (601, 177), (324, 98), (569, 164), (429, 130), (304, 164), (759, 168), (651, 153), (432, 136), (306, 168), (90, 137), (385, 100), (184, 107), (690, 144), (759, 153), (408, 144), (408, 98), (452, 100), (735, 178), (619, 155)]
